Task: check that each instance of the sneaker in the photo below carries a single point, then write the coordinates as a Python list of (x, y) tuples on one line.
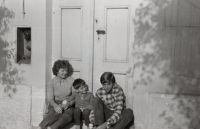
[(48, 127), (38, 127)]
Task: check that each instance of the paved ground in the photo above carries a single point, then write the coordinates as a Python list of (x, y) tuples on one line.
[(33, 127)]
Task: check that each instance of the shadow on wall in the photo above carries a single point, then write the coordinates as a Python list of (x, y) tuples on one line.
[(166, 54), (8, 73)]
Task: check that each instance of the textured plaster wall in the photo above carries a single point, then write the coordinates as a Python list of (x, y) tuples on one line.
[(15, 109), (166, 64), (22, 86)]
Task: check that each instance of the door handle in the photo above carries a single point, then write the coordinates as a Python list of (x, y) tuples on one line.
[(101, 32)]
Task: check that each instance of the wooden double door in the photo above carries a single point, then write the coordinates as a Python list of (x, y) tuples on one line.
[(154, 62), (95, 36)]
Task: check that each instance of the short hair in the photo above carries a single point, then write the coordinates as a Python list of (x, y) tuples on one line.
[(62, 64), (78, 83), (107, 77)]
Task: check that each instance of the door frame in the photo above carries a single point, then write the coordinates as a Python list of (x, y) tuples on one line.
[(51, 37)]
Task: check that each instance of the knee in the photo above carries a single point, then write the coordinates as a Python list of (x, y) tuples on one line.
[(70, 109), (86, 111), (97, 102), (66, 117), (128, 112), (77, 111)]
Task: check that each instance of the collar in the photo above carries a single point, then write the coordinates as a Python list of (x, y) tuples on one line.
[(113, 88), (60, 80)]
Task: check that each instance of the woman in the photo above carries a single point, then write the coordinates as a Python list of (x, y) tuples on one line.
[(58, 90)]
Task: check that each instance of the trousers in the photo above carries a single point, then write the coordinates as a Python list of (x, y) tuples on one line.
[(56, 120), (102, 114), (81, 115)]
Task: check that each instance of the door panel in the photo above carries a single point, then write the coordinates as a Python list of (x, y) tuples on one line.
[(166, 53), (71, 26), (73, 30), (117, 28), (112, 50)]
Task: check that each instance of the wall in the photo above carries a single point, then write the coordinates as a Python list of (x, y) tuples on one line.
[(166, 64), (22, 86)]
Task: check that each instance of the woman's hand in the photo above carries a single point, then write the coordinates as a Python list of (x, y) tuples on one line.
[(65, 106), (58, 108), (102, 126)]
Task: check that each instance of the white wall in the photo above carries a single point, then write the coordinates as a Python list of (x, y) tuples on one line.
[(156, 64), (28, 78)]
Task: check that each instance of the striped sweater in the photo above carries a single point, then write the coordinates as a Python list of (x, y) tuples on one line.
[(114, 100)]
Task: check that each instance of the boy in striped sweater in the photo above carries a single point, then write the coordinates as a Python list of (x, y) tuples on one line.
[(109, 109)]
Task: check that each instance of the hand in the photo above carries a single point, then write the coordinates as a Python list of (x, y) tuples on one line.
[(65, 106), (92, 122), (102, 126), (58, 109)]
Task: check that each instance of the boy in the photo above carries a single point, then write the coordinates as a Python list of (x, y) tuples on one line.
[(83, 99), (109, 107)]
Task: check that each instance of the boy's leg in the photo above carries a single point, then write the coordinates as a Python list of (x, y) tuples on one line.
[(86, 113), (108, 113), (64, 119), (126, 118), (51, 117), (77, 116), (78, 126), (98, 109)]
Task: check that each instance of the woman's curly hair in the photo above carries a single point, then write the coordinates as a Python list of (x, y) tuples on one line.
[(62, 64)]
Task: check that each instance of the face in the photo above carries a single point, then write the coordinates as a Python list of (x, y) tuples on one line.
[(83, 89), (62, 73), (107, 86)]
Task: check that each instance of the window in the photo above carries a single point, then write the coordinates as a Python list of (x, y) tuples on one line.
[(23, 45)]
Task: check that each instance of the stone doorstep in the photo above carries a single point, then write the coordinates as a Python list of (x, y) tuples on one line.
[(73, 127), (69, 126)]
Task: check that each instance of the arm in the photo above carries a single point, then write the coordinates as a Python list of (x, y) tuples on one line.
[(72, 98), (89, 106), (91, 116), (117, 113), (90, 101), (50, 94), (69, 104), (50, 98), (72, 88), (70, 101)]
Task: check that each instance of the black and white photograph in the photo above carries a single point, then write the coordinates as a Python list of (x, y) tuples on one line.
[(99, 64)]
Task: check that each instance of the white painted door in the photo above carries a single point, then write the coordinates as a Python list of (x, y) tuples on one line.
[(166, 53), (72, 32), (112, 50), (75, 23)]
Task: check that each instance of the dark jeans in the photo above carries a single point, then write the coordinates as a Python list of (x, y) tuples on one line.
[(57, 120), (102, 113), (79, 116)]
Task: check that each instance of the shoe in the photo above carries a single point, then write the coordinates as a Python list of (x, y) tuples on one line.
[(38, 127), (48, 127)]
